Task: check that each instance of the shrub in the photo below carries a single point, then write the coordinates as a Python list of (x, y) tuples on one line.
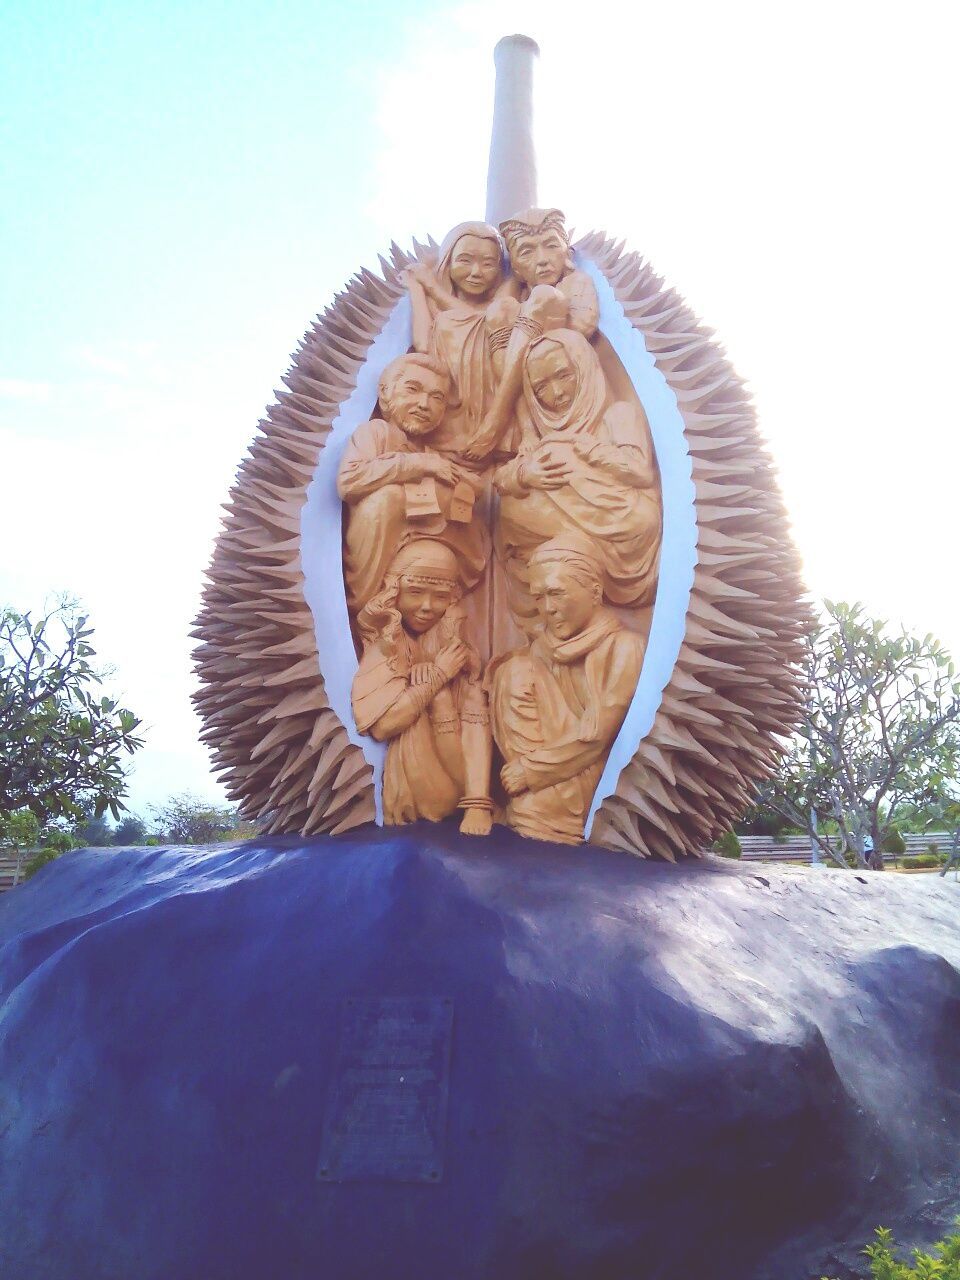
[(916, 860), (40, 860), (893, 842), (728, 846), (942, 1264)]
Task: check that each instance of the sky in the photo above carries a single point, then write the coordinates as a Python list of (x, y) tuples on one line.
[(184, 186)]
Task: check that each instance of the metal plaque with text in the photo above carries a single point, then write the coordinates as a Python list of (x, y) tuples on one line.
[(387, 1107)]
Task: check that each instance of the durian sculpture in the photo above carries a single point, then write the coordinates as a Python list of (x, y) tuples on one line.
[(508, 548)]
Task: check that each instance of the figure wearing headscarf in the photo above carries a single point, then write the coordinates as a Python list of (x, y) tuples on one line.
[(450, 323), (552, 294), (583, 466), (558, 704), (418, 689)]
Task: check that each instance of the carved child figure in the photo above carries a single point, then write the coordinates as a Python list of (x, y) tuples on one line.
[(558, 704), (553, 295), (418, 689), (396, 488)]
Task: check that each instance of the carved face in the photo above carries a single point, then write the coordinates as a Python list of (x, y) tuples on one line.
[(417, 400), (539, 259), (475, 266), (553, 376), (565, 603), (421, 605)]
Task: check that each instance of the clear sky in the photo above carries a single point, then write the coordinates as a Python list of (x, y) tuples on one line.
[(184, 185)]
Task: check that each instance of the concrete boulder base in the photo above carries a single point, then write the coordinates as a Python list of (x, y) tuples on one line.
[(712, 1070)]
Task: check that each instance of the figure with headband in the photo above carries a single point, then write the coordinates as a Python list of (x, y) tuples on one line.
[(418, 689), (549, 293)]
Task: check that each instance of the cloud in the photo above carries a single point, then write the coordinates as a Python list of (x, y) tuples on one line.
[(22, 389)]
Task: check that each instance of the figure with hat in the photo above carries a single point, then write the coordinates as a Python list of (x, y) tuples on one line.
[(418, 689), (558, 704), (552, 294)]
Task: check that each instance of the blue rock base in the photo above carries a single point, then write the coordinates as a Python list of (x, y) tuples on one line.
[(713, 1071)]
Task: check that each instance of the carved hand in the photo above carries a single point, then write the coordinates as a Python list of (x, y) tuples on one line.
[(423, 673), (544, 471), (419, 273), (514, 778), (452, 659), (442, 469)]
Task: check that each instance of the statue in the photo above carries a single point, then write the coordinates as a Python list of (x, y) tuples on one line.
[(585, 466), (508, 418), (558, 704), (396, 488), (418, 689), (553, 294), (454, 310)]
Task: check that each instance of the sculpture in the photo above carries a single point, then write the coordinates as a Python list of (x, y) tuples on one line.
[(418, 689), (395, 488), (584, 465), (451, 323), (553, 294), (558, 704), (532, 433)]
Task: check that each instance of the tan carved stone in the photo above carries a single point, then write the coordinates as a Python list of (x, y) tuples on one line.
[(551, 294), (584, 465), (452, 323), (418, 689), (396, 488), (558, 704)]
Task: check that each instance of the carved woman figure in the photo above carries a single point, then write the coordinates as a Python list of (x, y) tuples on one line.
[(418, 689), (450, 323), (550, 293), (558, 704), (583, 466)]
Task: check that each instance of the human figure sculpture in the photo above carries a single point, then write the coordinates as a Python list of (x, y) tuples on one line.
[(552, 294), (396, 488), (418, 689), (558, 704), (584, 466), (451, 323)]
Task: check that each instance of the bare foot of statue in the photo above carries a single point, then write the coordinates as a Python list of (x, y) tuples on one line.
[(476, 822)]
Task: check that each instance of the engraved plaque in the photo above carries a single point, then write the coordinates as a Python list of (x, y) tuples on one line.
[(387, 1108)]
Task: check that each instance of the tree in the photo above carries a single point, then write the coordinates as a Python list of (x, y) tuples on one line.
[(93, 833), (61, 745), (879, 733), (130, 830), (19, 831), (186, 819)]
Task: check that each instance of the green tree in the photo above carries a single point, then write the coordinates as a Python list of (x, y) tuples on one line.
[(186, 819), (130, 830), (879, 733), (62, 742), (93, 833), (20, 832)]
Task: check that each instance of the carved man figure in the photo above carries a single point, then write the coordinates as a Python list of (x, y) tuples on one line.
[(396, 488), (418, 689), (558, 704), (553, 295)]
